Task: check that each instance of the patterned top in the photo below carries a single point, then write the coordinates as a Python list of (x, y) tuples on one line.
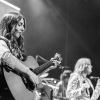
[(9, 54), (13, 47), (74, 88)]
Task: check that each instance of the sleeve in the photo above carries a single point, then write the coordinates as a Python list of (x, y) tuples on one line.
[(73, 88), (7, 57), (3, 49)]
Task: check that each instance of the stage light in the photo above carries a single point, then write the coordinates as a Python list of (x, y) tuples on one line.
[(9, 4)]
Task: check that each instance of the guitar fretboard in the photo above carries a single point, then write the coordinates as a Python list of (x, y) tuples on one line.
[(43, 67)]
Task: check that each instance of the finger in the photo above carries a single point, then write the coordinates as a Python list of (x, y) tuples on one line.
[(37, 80), (33, 81)]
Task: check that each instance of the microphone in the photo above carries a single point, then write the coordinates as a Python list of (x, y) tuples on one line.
[(93, 77), (63, 67)]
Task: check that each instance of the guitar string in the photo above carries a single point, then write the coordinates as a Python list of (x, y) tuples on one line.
[(42, 67)]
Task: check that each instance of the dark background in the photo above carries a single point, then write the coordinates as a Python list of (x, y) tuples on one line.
[(68, 27)]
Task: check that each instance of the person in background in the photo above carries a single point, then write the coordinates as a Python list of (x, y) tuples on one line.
[(79, 86), (60, 94)]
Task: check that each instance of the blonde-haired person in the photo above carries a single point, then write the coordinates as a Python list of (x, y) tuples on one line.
[(79, 85)]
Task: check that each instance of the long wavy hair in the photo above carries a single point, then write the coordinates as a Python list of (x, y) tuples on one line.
[(8, 28), (81, 64)]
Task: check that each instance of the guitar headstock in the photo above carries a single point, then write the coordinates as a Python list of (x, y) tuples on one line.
[(57, 58)]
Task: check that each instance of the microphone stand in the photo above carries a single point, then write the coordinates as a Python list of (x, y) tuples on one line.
[(63, 68)]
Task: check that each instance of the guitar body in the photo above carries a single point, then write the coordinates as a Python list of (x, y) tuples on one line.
[(16, 85)]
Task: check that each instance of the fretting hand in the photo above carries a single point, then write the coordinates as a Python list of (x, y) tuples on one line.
[(56, 60)]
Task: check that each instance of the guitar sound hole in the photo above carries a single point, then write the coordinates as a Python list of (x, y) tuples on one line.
[(31, 86), (27, 82)]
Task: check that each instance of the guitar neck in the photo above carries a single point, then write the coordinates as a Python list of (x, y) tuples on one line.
[(42, 68)]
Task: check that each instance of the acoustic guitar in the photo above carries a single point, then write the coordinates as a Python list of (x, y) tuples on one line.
[(20, 85)]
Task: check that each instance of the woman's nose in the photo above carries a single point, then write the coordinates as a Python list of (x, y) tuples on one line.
[(22, 29)]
